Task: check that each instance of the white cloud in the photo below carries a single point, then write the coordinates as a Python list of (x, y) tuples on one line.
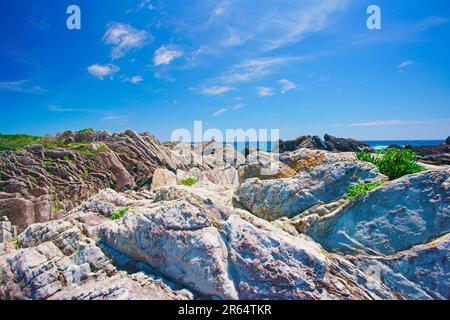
[(114, 118), (287, 85), (125, 38), (22, 86), (304, 19), (133, 80), (214, 90), (166, 54), (219, 112), (254, 69), (59, 109), (265, 91), (405, 64), (101, 71), (141, 5), (238, 106), (236, 38), (320, 77)]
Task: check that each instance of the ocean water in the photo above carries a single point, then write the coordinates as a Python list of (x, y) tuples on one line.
[(383, 144), (377, 145)]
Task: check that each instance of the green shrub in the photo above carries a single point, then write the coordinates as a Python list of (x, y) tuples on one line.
[(189, 182), (119, 214), (67, 158), (361, 189), (85, 173), (394, 162)]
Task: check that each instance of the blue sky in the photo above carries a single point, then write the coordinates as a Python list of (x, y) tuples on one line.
[(305, 67)]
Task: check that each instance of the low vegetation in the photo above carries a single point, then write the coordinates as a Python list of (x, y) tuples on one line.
[(394, 162), (16, 142), (119, 214), (361, 189), (189, 182)]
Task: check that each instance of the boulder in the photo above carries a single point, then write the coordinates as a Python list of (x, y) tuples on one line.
[(264, 166), (273, 199), (309, 142), (345, 145), (400, 214), (163, 177)]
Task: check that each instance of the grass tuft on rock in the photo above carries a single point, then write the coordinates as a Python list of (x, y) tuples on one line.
[(394, 163), (189, 182), (361, 189), (119, 214)]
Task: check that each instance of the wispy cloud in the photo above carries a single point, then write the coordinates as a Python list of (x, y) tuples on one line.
[(304, 19), (287, 85), (320, 77), (405, 64), (238, 106), (166, 54), (219, 112), (101, 71), (214, 90), (254, 69), (115, 118), (265, 91), (59, 109), (133, 80), (22, 86), (143, 4), (125, 38)]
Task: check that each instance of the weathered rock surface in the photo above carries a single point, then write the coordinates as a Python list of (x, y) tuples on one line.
[(309, 142), (345, 145), (394, 217), (39, 185), (329, 143), (163, 177), (273, 199), (264, 166), (435, 155), (56, 261), (177, 240)]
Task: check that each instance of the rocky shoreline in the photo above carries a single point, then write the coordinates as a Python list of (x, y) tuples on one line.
[(111, 216)]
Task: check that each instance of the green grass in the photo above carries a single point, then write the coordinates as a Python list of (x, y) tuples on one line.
[(189, 182), (102, 149), (394, 163), (16, 142), (119, 214), (86, 130), (361, 189), (15, 243), (67, 158), (85, 173)]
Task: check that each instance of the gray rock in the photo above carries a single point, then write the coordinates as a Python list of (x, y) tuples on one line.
[(273, 199), (396, 216)]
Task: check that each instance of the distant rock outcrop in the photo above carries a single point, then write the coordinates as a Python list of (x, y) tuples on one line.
[(447, 142), (309, 142), (330, 143), (435, 155), (39, 185), (345, 145)]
